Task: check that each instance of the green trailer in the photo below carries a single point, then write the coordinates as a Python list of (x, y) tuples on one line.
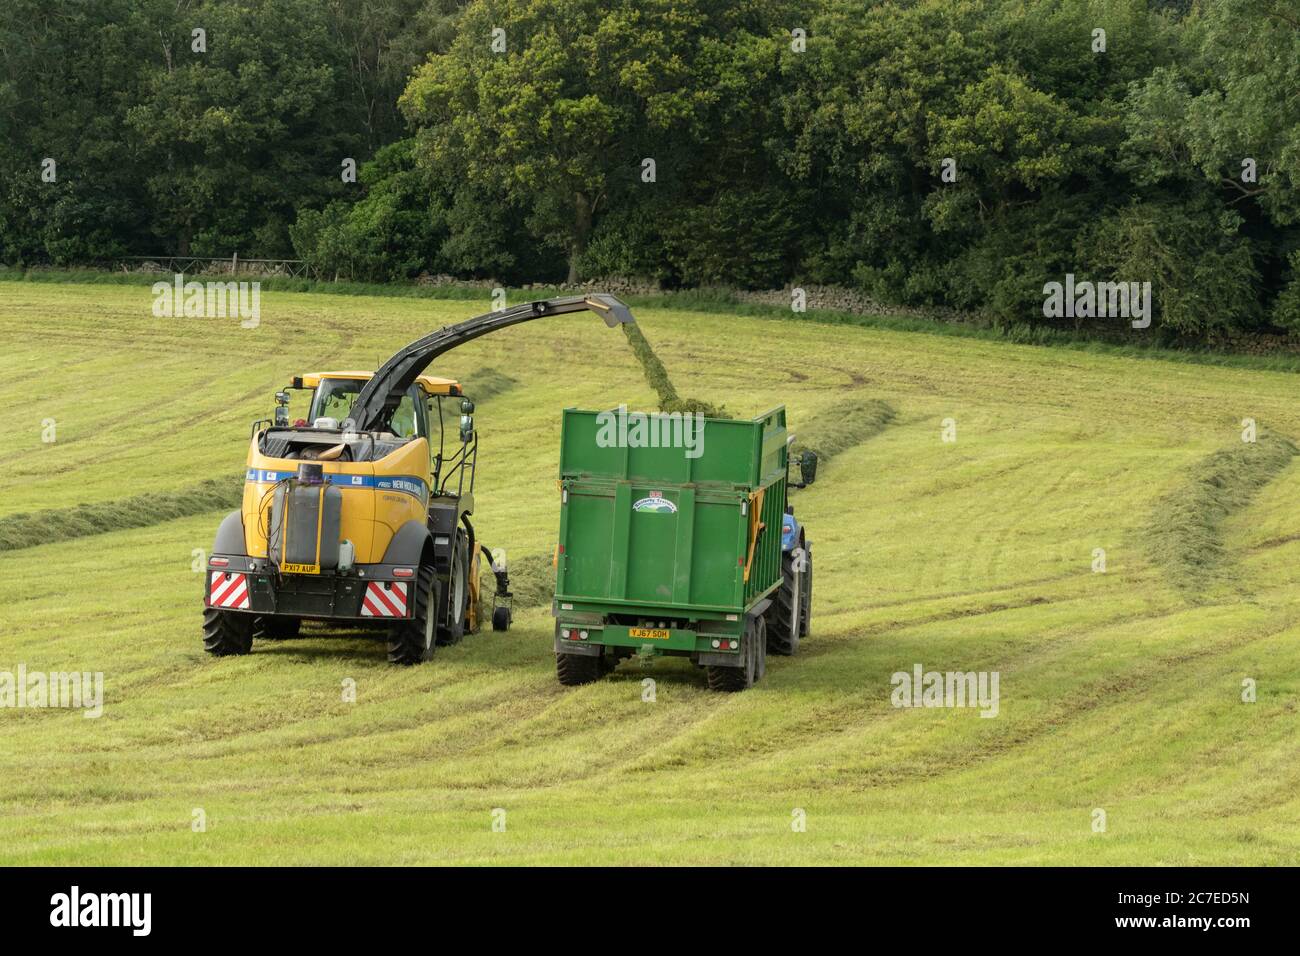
[(670, 550)]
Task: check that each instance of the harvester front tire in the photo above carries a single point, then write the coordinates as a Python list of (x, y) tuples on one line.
[(457, 597), (227, 632), (414, 640), (575, 669), (785, 616)]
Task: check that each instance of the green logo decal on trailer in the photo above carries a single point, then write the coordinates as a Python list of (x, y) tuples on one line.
[(655, 502)]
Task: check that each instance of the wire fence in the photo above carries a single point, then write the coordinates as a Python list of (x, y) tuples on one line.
[(211, 265)]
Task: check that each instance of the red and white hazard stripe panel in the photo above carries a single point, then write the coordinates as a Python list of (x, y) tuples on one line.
[(384, 600), (228, 589)]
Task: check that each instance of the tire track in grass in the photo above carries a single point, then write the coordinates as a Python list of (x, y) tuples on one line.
[(1117, 689), (1184, 536), (951, 758)]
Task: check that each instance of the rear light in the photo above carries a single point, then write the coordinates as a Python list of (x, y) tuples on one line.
[(582, 635), (565, 632), (219, 562), (717, 643), (403, 572)]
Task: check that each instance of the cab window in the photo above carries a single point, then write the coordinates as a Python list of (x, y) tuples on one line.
[(407, 422), (335, 396)]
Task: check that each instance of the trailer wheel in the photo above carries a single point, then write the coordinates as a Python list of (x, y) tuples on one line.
[(805, 606), (414, 640), (457, 596), (728, 680), (278, 628), (501, 619), (227, 632), (574, 669), (784, 618)]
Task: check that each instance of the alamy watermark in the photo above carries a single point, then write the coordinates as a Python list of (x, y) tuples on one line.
[(208, 300), (922, 688), (623, 429), (133, 911), (81, 690), (1102, 300)]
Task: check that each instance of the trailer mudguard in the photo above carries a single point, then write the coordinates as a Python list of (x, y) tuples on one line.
[(409, 544), (579, 650), (230, 535), (790, 530)]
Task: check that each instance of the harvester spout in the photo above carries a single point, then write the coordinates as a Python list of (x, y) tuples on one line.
[(374, 406)]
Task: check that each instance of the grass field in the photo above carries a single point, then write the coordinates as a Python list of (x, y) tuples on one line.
[(1120, 691)]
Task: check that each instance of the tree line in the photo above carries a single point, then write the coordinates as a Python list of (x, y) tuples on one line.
[(958, 153)]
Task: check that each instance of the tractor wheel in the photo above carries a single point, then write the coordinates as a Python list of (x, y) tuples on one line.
[(728, 680), (805, 606), (457, 597), (501, 619), (412, 641), (575, 669), (279, 628), (785, 615), (227, 632)]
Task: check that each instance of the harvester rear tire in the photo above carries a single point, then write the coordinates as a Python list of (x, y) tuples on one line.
[(575, 669), (415, 639), (783, 617), (227, 632)]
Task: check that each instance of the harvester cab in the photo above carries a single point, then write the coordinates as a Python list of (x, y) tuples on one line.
[(361, 511)]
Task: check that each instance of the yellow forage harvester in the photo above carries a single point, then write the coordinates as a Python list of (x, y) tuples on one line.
[(360, 513)]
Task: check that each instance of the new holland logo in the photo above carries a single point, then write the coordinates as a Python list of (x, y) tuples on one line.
[(655, 502)]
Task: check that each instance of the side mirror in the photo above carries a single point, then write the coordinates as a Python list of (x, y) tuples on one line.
[(808, 467), (466, 427), (281, 409)]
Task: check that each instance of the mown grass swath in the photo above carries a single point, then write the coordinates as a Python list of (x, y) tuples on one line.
[(1185, 534), (25, 530), (844, 425)]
